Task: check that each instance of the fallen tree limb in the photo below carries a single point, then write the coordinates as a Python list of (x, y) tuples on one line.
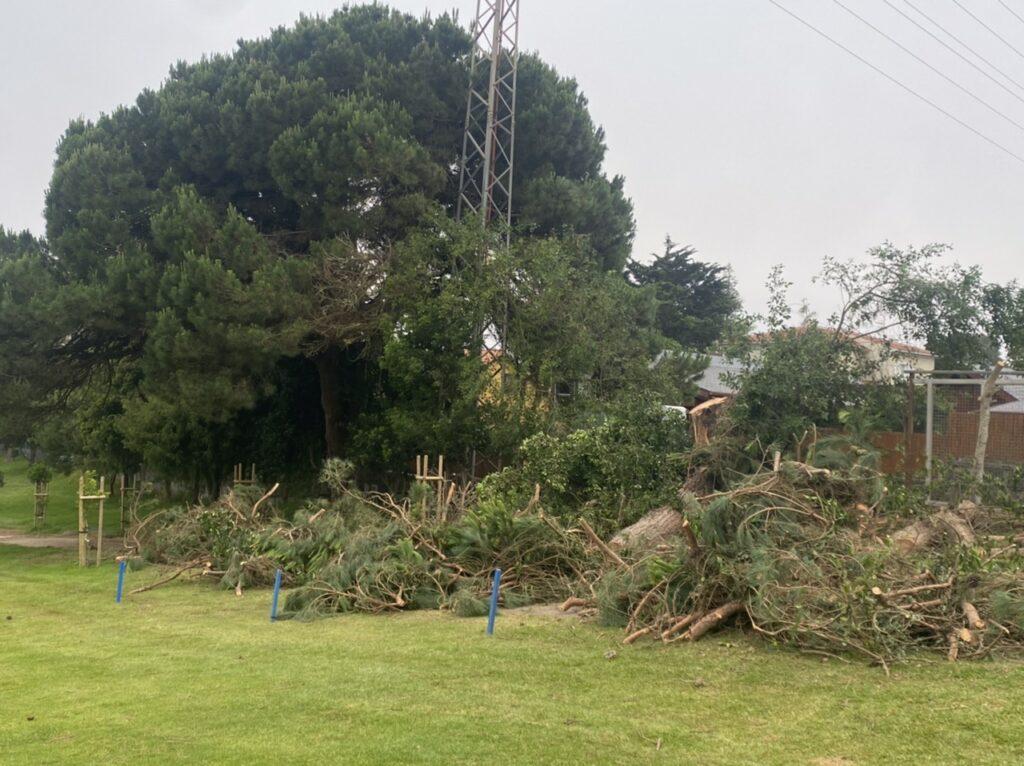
[(713, 619), (269, 492), (889, 595), (637, 634), (973, 618), (573, 601), (679, 625), (642, 603), (601, 545), (177, 573)]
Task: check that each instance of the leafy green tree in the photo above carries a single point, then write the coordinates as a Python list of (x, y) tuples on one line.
[(911, 289), (200, 239), (570, 327), (796, 378), (1005, 304), (800, 378), (696, 300), (26, 283)]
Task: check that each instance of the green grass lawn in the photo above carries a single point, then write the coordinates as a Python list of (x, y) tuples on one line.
[(16, 503), (190, 674)]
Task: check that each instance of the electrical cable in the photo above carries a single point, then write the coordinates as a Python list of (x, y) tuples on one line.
[(937, 71), (1012, 12), (965, 45), (893, 80), (1005, 42), (951, 49)]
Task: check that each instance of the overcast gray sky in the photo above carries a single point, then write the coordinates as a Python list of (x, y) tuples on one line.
[(738, 130)]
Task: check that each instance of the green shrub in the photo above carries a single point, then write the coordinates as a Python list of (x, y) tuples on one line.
[(611, 471), (38, 473)]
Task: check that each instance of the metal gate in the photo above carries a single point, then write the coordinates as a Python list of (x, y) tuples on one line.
[(952, 421)]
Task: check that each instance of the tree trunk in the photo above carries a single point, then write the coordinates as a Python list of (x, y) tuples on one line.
[(988, 390), (327, 367), (654, 528)]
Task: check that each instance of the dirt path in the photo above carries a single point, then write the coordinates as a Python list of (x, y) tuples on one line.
[(66, 540)]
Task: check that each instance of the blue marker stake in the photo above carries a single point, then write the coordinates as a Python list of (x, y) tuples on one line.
[(277, 592), (494, 602), (120, 579)]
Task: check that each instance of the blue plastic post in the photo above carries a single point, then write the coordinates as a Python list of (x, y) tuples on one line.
[(494, 602), (277, 592), (120, 579)]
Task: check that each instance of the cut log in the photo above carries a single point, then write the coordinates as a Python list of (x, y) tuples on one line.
[(653, 529), (679, 625), (712, 619), (637, 634), (973, 618), (922, 533), (573, 601)]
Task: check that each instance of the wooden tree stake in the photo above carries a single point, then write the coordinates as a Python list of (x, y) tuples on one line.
[(99, 526), (81, 520)]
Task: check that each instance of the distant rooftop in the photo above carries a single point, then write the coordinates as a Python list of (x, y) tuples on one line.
[(1015, 406), (864, 340), (714, 379)]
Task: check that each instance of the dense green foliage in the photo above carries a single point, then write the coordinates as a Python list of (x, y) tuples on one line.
[(799, 378), (964, 321), (256, 262), (611, 471), (696, 300)]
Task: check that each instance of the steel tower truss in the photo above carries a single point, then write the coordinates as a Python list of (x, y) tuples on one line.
[(485, 178)]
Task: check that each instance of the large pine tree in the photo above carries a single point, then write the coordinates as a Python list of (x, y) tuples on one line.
[(201, 238)]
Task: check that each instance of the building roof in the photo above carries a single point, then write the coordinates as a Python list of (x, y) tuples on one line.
[(895, 345), (864, 340), (714, 379), (1016, 405)]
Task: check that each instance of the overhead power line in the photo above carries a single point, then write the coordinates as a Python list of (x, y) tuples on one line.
[(1006, 42), (1013, 12), (965, 45), (937, 71), (950, 48), (893, 80)]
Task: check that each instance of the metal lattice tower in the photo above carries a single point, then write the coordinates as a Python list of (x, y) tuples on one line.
[(485, 178), (485, 175)]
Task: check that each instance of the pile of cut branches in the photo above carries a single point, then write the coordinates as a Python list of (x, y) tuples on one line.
[(808, 557), (370, 551), (815, 555)]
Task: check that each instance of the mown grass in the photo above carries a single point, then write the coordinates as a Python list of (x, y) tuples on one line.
[(17, 503), (191, 674)]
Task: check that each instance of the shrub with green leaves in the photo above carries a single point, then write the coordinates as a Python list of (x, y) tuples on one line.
[(612, 470), (38, 473)]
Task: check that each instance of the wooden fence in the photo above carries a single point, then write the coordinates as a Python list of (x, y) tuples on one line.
[(956, 441)]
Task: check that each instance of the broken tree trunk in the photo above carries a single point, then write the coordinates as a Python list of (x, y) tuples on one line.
[(702, 419), (921, 534), (653, 529), (988, 390)]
